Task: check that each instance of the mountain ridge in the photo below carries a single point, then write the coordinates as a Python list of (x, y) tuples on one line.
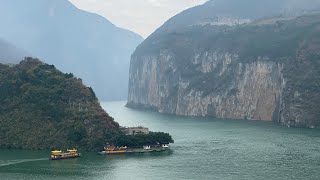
[(76, 41)]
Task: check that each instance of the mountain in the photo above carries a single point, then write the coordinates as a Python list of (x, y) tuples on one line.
[(237, 66), (10, 54), (230, 12), (76, 41), (43, 108)]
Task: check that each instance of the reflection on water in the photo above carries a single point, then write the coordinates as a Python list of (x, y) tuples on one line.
[(204, 148)]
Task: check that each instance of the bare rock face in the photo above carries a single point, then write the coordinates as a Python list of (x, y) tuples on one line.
[(253, 71), (253, 93)]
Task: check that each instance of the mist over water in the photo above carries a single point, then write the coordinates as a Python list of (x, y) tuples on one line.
[(204, 148)]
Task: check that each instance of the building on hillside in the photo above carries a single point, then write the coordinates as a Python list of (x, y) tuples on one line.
[(135, 130)]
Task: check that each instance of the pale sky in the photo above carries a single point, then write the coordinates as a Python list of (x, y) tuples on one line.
[(140, 16)]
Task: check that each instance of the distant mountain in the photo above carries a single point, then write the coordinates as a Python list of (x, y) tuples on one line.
[(218, 12), (10, 54), (227, 13), (43, 108), (246, 59), (76, 41)]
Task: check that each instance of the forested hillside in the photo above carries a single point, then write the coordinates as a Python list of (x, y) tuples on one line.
[(43, 108)]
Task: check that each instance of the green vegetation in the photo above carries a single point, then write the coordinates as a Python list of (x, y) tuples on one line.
[(153, 138), (42, 108)]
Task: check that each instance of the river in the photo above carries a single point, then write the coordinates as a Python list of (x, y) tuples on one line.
[(204, 148)]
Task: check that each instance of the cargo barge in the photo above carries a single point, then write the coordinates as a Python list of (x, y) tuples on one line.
[(110, 150)]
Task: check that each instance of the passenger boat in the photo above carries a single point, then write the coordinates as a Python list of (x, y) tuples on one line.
[(59, 155), (109, 150)]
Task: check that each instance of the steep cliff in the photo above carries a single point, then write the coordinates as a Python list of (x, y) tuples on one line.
[(42, 108), (263, 70)]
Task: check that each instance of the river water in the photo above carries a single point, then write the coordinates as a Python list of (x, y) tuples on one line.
[(204, 148)]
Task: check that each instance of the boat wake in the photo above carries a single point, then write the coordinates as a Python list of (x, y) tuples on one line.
[(13, 162)]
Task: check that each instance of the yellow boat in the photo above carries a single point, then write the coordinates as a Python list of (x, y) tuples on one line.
[(58, 154)]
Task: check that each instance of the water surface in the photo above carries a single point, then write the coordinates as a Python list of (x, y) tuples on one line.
[(204, 148)]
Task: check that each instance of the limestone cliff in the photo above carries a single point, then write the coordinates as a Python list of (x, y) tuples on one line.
[(253, 92), (264, 70)]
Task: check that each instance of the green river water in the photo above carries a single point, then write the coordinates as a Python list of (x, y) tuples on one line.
[(204, 148)]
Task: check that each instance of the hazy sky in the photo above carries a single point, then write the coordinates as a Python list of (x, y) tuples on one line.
[(140, 16)]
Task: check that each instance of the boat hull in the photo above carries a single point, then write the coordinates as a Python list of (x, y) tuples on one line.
[(64, 157), (132, 151)]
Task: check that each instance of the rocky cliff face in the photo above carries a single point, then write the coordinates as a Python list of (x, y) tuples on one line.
[(253, 93), (265, 70)]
